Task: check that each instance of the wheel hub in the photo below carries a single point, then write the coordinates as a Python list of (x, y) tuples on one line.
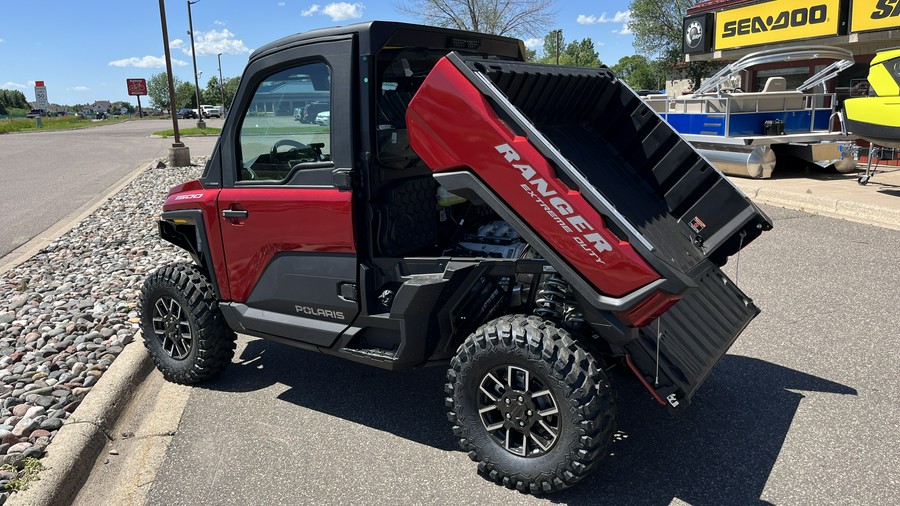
[(518, 411), (171, 327)]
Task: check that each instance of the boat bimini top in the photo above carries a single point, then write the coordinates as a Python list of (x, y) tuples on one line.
[(843, 58)]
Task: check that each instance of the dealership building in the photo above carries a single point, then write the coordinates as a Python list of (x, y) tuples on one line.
[(726, 30)]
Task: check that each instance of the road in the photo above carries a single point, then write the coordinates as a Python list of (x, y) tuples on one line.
[(803, 410), (48, 176)]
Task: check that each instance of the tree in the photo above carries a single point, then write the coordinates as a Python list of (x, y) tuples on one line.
[(579, 53), (2, 109), (231, 87), (212, 94), (185, 97), (639, 72), (158, 90), (13, 99), (553, 44), (515, 18), (657, 26)]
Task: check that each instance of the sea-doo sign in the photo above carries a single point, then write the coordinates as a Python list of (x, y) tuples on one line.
[(697, 34), (874, 15), (776, 21)]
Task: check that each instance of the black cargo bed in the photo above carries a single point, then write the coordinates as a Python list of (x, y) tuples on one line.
[(657, 189)]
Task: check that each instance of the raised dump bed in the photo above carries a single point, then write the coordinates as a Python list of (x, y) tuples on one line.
[(542, 144)]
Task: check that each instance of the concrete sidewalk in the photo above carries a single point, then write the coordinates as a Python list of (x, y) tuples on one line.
[(832, 194), (74, 452)]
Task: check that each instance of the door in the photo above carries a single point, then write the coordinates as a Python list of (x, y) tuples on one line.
[(285, 205)]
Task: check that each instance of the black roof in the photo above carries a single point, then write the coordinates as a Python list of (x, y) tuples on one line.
[(373, 35)]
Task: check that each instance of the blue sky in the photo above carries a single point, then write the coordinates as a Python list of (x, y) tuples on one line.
[(84, 51)]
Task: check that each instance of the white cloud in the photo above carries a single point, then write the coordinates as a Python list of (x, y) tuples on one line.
[(337, 11), (623, 17), (342, 11), (177, 43), (534, 43), (1, 40), (214, 42), (31, 83), (10, 84), (220, 23), (145, 62), (619, 17), (78, 88), (281, 4)]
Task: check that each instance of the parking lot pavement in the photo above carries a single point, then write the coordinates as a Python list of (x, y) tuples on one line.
[(802, 411)]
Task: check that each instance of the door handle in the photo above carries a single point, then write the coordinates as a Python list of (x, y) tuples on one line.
[(235, 214)]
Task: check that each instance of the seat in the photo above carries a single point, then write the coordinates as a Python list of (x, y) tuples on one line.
[(406, 218)]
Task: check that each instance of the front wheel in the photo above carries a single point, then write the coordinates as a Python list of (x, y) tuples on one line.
[(529, 404), (183, 327)]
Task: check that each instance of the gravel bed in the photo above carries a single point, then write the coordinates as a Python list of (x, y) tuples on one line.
[(67, 312)]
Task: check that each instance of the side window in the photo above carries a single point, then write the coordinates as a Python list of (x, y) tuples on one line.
[(288, 124)]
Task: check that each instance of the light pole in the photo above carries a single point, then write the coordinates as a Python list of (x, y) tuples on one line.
[(179, 154), (221, 85), (200, 122)]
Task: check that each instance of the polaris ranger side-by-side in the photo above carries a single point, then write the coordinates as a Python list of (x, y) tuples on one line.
[(528, 225)]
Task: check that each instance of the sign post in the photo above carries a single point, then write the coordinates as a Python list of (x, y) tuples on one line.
[(137, 87), (40, 96)]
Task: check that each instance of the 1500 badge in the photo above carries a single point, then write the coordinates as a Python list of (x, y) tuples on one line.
[(785, 19)]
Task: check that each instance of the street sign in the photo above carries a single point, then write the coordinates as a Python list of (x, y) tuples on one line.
[(137, 87), (40, 96)]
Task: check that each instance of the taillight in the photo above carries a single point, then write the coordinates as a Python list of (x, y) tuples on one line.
[(649, 310)]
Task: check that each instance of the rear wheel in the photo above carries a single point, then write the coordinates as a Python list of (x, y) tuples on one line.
[(529, 404), (183, 328)]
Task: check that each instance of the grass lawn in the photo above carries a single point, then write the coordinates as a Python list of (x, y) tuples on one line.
[(189, 132), (65, 123)]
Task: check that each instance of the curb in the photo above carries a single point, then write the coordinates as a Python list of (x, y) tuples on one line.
[(868, 214), (73, 451)]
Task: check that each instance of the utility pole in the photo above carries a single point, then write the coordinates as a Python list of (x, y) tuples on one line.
[(200, 122), (558, 35), (179, 154), (221, 85)]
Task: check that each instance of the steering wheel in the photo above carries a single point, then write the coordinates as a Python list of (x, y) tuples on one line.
[(273, 153), (250, 172)]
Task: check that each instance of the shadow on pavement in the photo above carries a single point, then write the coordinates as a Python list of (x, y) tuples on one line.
[(720, 451)]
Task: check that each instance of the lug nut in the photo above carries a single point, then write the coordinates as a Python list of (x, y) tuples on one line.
[(529, 412), (521, 399), (521, 424), (508, 416), (507, 402)]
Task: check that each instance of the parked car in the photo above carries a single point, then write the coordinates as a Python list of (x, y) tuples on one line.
[(187, 114), (101, 115), (211, 111), (323, 118), (309, 113), (36, 113)]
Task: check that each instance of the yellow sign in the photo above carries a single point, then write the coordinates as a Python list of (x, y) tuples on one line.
[(777, 21), (874, 15)]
